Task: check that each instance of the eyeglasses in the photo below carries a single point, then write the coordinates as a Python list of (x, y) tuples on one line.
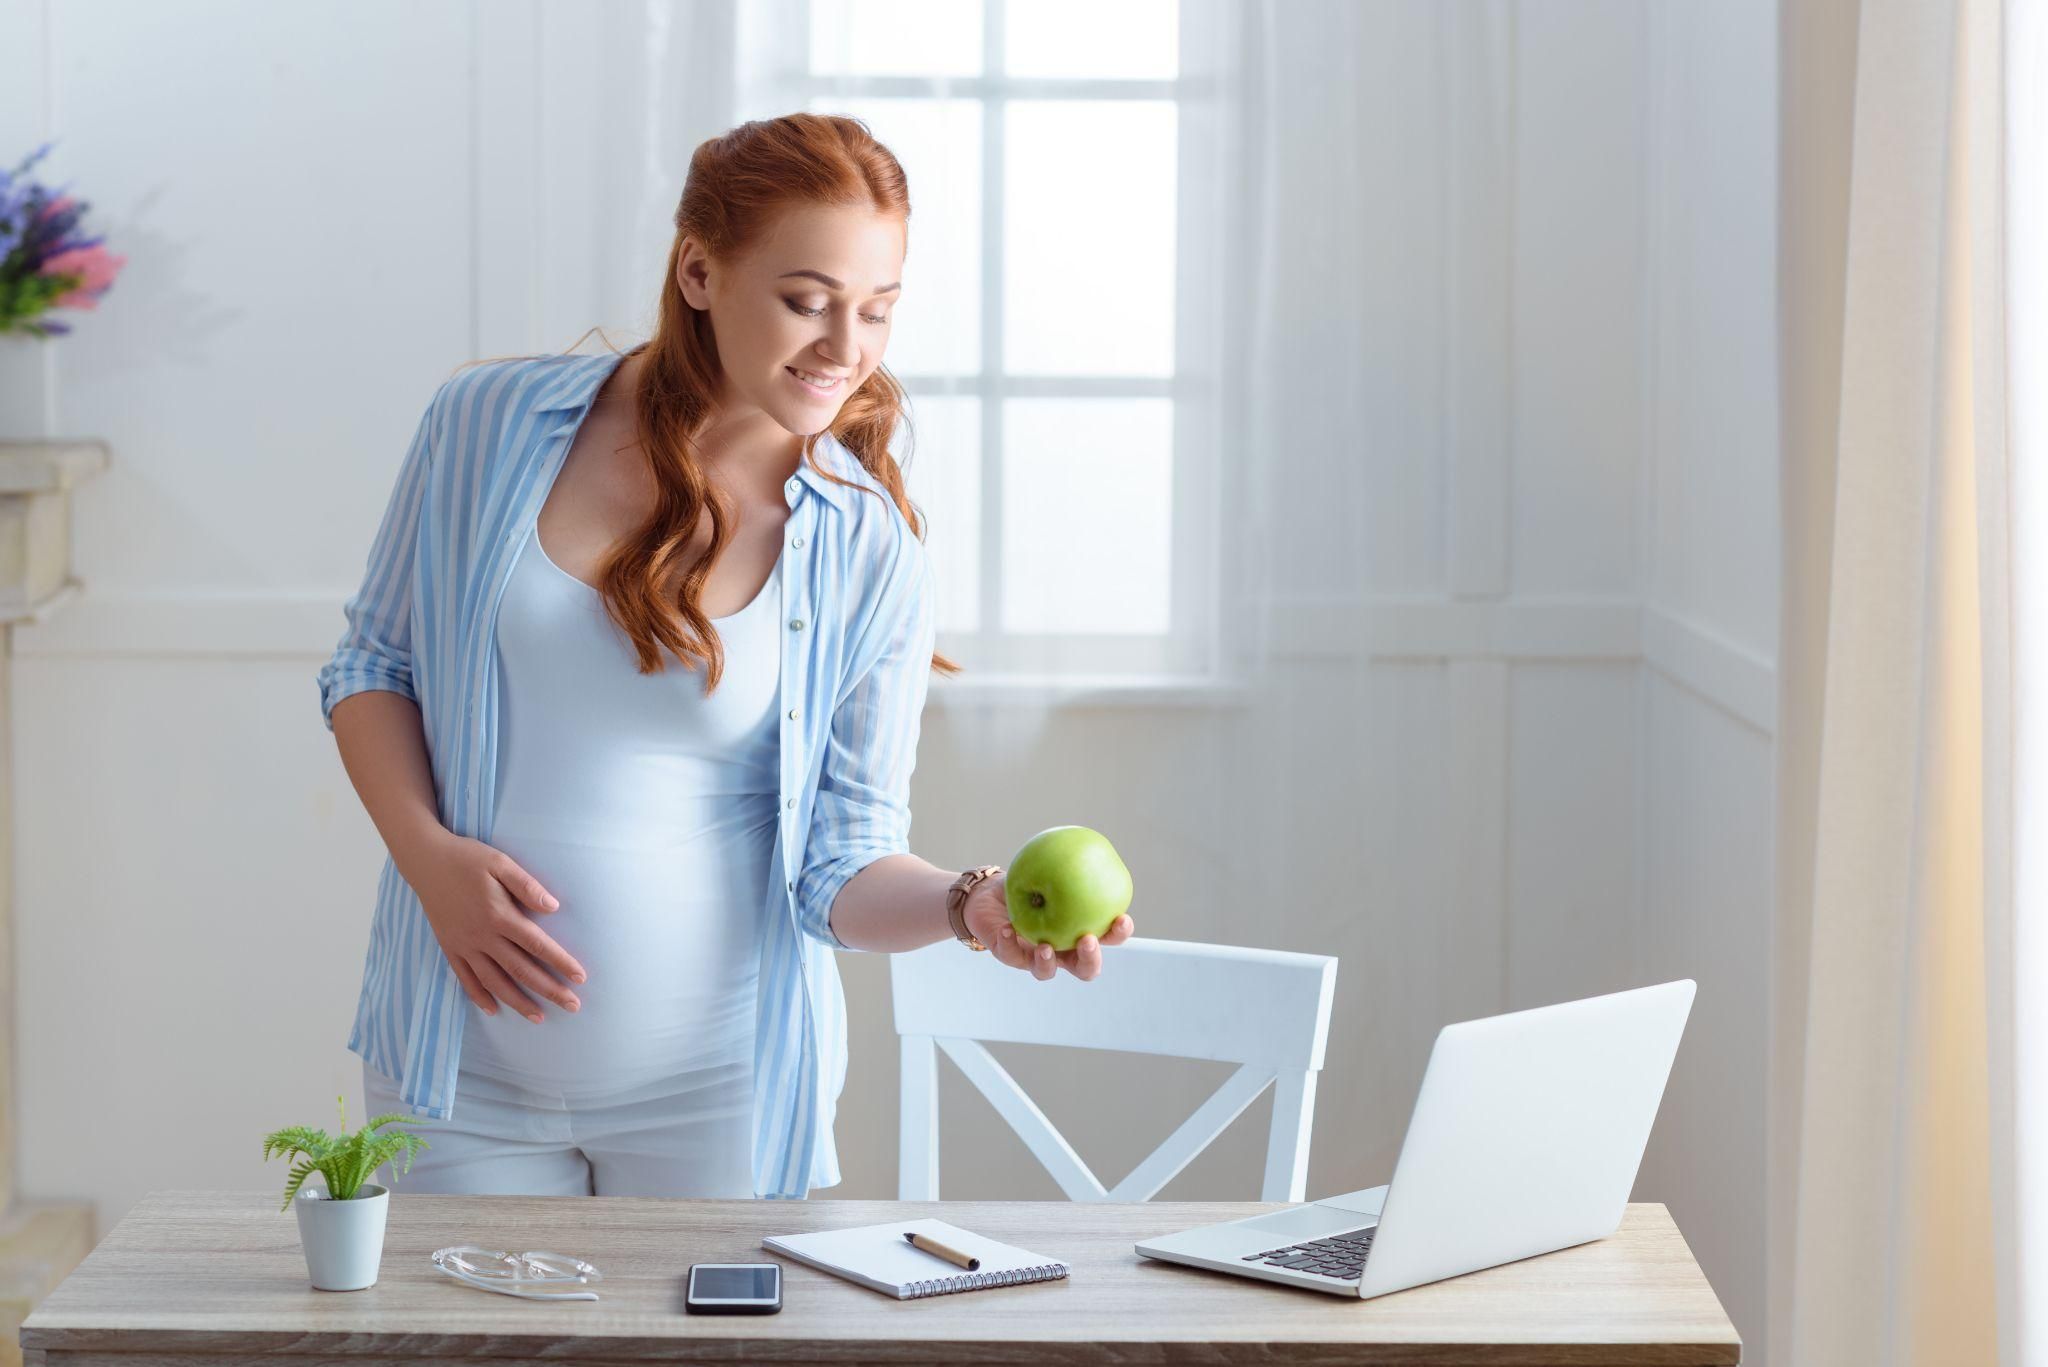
[(517, 1274)]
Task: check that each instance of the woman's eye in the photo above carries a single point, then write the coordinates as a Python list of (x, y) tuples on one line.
[(812, 313)]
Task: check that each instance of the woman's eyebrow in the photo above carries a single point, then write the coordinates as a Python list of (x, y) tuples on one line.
[(828, 280)]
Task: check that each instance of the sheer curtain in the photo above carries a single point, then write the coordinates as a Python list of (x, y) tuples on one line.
[(2019, 887), (1907, 1205)]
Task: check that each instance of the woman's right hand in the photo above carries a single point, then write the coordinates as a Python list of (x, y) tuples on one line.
[(476, 898)]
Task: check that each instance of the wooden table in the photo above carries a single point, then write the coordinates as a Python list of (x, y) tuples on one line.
[(217, 1275)]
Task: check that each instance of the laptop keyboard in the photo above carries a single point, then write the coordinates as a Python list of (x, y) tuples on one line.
[(1340, 1255)]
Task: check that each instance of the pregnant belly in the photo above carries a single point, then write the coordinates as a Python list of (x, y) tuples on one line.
[(670, 939)]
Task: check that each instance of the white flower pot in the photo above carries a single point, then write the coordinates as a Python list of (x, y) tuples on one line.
[(343, 1240)]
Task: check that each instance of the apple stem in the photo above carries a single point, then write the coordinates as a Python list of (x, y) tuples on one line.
[(1037, 899)]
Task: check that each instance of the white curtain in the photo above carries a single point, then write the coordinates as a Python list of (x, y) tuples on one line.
[(1907, 1203)]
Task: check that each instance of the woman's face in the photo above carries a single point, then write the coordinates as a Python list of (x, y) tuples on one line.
[(817, 295)]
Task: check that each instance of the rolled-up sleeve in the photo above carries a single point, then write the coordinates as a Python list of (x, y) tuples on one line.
[(375, 650), (862, 810)]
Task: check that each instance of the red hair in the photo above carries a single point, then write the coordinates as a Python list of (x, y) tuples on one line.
[(738, 183)]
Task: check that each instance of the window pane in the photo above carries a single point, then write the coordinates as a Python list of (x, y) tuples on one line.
[(1088, 237), (895, 38), (1087, 514), (938, 316), (1130, 40), (943, 479)]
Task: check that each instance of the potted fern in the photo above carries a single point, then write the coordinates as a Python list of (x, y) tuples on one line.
[(341, 1229)]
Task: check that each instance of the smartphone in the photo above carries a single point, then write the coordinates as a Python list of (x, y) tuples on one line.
[(734, 1289)]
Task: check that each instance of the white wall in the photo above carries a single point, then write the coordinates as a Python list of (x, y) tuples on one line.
[(1521, 753), (1710, 618)]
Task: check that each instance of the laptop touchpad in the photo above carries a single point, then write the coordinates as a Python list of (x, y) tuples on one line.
[(1310, 1220)]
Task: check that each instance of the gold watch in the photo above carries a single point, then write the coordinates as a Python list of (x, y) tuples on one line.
[(956, 902)]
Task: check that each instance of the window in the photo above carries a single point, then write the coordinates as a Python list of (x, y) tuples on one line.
[(1040, 334)]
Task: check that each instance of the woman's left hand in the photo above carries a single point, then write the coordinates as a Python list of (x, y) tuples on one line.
[(987, 914)]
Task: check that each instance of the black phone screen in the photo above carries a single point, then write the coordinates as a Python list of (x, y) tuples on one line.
[(733, 1283)]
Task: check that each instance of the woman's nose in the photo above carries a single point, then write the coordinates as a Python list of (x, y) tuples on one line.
[(840, 348)]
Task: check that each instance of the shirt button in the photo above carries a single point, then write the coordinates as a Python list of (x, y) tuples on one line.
[(798, 543), (790, 803), (793, 711), (796, 624), (792, 887)]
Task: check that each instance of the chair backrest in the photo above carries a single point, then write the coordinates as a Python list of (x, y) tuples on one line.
[(1267, 1010)]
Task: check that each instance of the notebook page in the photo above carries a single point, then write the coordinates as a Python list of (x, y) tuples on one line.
[(882, 1253)]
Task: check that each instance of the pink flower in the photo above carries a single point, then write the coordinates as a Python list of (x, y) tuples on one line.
[(95, 266), (57, 205)]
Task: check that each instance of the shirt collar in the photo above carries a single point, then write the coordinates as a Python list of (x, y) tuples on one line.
[(575, 384)]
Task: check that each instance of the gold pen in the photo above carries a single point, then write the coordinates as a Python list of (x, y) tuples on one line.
[(951, 1255)]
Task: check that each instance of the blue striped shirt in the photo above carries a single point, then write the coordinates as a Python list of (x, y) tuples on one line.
[(859, 622)]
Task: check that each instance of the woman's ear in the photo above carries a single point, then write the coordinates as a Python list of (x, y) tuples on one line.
[(693, 274)]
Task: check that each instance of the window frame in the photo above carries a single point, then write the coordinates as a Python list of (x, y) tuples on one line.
[(776, 76)]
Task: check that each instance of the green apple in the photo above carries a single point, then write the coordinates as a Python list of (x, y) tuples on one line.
[(1066, 882)]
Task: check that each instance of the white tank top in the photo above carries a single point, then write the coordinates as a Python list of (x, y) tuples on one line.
[(649, 810)]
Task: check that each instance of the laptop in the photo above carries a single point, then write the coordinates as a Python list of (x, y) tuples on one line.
[(1525, 1138)]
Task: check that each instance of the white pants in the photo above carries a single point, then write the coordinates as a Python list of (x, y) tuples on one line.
[(686, 1136)]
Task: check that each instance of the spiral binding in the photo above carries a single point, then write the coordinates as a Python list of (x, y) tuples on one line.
[(974, 1281)]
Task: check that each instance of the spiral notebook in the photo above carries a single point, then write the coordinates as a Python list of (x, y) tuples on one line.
[(879, 1256)]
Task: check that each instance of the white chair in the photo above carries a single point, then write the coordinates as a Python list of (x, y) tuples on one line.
[(1264, 1009)]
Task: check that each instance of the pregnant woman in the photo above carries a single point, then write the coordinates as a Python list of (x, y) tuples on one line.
[(631, 692)]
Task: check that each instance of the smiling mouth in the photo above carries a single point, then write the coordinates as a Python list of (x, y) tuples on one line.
[(804, 378)]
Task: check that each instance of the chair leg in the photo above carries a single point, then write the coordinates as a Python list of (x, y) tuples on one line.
[(917, 1149), (1294, 1105)]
